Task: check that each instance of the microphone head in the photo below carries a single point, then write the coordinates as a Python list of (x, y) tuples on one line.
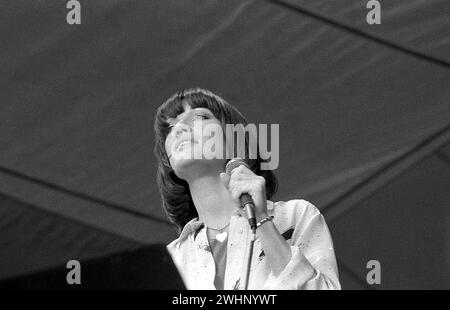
[(234, 163)]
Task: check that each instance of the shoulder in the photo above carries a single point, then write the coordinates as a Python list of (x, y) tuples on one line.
[(296, 213), (296, 208), (190, 228), (176, 248)]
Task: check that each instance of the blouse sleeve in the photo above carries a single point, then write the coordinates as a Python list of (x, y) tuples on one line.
[(313, 263)]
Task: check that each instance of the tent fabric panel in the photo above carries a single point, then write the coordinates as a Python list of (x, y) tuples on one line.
[(405, 227), (81, 101), (33, 240), (103, 217), (420, 25)]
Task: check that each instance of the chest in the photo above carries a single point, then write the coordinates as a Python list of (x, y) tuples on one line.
[(198, 266)]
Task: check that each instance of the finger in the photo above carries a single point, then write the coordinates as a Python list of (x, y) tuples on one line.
[(242, 174), (241, 178), (225, 178), (250, 187), (242, 170), (247, 179)]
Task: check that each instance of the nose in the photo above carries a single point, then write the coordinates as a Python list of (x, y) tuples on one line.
[(180, 128)]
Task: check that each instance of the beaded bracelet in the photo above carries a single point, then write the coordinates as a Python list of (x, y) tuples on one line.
[(269, 218)]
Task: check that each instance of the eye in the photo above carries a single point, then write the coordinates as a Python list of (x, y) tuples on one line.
[(201, 116)]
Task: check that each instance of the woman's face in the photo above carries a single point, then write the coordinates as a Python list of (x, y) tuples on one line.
[(185, 142)]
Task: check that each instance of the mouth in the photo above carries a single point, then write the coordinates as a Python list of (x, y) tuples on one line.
[(182, 144)]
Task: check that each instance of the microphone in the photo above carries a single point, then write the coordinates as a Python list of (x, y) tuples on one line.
[(245, 199)]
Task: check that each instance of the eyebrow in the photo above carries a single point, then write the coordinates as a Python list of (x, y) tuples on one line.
[(172, 121), (202, 109)]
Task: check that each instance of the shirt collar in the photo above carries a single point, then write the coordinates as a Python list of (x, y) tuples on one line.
[(191, 227), (195, 224)]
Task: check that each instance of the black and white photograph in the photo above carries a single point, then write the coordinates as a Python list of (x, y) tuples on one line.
[(231, 145)]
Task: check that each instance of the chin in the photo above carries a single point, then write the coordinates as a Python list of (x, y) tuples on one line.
[(184, 166), (187, 168)]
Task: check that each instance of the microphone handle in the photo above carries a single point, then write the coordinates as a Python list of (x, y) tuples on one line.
[(249, 206)]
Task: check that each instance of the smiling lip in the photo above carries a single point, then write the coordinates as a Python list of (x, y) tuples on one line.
[(180, 145)]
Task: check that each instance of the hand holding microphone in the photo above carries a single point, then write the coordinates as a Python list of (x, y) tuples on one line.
[(247, 188)]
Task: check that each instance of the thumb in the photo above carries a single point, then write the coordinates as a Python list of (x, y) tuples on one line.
[(225, 178)]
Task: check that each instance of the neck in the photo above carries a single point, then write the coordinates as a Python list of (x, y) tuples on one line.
[(212, 200)]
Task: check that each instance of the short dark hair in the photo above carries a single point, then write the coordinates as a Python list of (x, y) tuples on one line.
[(176, 198)]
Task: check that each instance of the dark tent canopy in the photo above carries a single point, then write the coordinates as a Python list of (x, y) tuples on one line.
[(364, 118)]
